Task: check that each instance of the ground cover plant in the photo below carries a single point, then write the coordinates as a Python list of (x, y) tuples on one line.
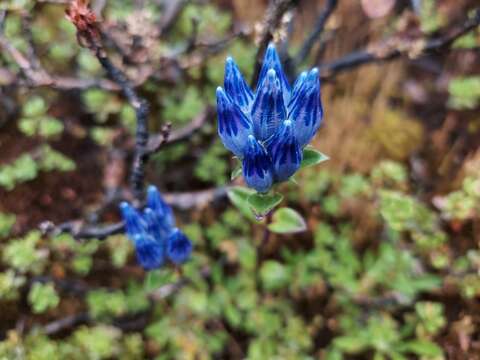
[(282, 179)]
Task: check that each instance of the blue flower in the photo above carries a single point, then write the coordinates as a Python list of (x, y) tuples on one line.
[(285, 151), (268, 129), (236, 86), (233, 124), (268, 109), (161, 211), (257, 166), (153, 232), (271, 60), (134, 224), (179, 247), (150, 254), (305, 108)]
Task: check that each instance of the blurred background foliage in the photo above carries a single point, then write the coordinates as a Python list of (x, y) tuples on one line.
[(389, 266)]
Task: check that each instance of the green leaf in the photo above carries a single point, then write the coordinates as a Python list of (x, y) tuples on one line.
[(274, 275), (42, 297), (28, 126), (34, 106), (236, 172), (312, 157), (349, 344), (157, 278), (262, 204), (49, 126), (239, 197), (6, 223), (287, 221), (423, 348)]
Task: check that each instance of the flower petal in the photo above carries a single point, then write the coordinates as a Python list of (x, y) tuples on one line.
[(155, 228), (134, 223), (163, 212), (268, 110), (306, 110), (236, 86), (297, 86), (285, 152), (233, 126), (257, 166), (179, 247), (271, 60), (150, 254)]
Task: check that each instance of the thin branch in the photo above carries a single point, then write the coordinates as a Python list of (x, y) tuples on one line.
[(316, 32), (395, 48), (182, 134), (183, 201), (273, 16), (141, 110), (89, 35), (170, 14), (169, 289), (67, 322)]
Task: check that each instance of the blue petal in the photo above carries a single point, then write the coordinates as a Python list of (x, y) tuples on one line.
[(134, 223), (155, 228), (236, 86), (268, 110), (163, 212), (233, 126), (150, 254), (257, 166), (306, 109), (297, 86), (285, 152), (271, 60), (179, 247)]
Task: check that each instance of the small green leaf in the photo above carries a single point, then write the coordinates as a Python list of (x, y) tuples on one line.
[(49, 126), (287, 221), (239, 197), (236, 172), (274, 275), (157, 278), (350, 344), (28, 126), (262, 204), (423, 348), (35, 106), (312, 157), (293, 181), (42, 297)]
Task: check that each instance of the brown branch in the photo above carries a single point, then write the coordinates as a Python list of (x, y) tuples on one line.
[(89, 35), (184, 201), (273, 16), (170, 14), (181, 134), (316, 32), (395, 48), (67, 322)]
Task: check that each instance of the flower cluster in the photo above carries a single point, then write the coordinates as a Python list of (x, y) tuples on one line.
[(153, 232), (269, 129)]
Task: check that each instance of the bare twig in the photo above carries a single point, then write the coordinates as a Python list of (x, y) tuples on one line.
[(79, 230), (170, 14), (141, 111), (316, 32), (67, 322), (169, 289), (273, 16), (35, 75), (396, 48), (184, 133), (89, 35)]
